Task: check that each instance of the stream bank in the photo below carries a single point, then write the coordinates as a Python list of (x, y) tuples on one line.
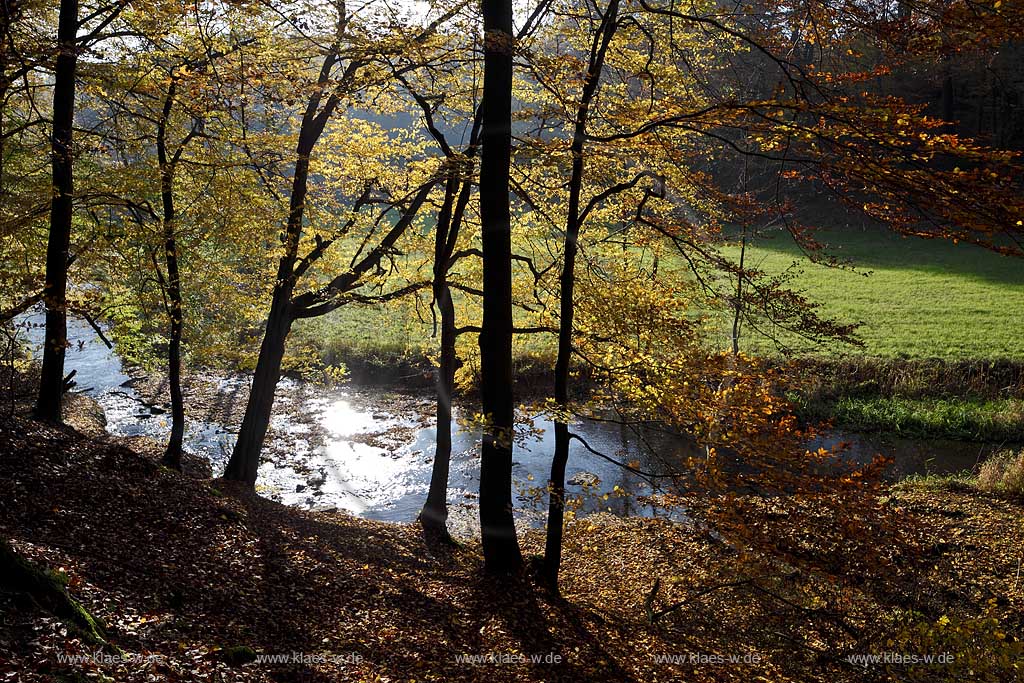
[(368, 450)]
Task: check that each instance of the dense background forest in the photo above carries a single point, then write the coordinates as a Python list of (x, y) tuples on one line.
[(618, 340)]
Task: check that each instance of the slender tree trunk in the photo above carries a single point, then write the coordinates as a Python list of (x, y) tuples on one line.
[(737, 315), (497, 527), (51, 381), (435, 511), (172, 455), (556, 482), (948, 96), (567, 281), (3, 106), (434, 515), (245, 459), (449, 223)]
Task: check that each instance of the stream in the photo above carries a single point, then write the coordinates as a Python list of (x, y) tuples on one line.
[(368, 450)]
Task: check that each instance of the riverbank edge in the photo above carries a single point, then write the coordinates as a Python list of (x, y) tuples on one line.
[(975, 401)]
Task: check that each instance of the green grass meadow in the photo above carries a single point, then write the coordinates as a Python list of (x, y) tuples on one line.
[(912, 297), (914, 300)]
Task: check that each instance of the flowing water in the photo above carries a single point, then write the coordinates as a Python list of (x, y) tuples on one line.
[(333, 450)]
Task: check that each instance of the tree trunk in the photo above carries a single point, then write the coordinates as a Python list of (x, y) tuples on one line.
[(737, 314), (435, 511), (172, 455), (567, 281), (497, 528), (51, 381), (3, 100), (556, 482), (245, 459), (434, 515), (948, 96)]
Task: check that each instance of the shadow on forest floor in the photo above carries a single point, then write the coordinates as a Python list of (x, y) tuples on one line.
[(195, 572)]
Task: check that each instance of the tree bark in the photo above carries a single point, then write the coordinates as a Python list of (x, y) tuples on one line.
[(51, 381), (3, 97), (948, 96), (497, 527), (434, 515), (172, 454), (245, 459), (435, 510), (567, 281)]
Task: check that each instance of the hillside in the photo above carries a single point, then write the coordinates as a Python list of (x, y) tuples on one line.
[(201, 582)]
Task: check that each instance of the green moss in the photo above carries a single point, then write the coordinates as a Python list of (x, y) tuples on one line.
[(237, 655), (58, 576), (49, 590)]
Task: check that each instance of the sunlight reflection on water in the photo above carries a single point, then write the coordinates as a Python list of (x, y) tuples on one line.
[(329, 452)]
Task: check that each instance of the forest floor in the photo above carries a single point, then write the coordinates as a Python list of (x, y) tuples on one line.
[(197, 582)]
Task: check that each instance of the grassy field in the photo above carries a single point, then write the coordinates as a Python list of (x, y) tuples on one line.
[(914, 298)]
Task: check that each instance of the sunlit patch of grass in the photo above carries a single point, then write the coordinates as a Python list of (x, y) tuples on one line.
[(915, 298), (956, 481)]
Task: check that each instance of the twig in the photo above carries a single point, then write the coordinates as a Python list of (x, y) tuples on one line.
[(653, 615), (95, 326)]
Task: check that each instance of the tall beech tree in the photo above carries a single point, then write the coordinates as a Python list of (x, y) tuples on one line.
[(450, 219), (497, 527), (341, 69), (51, 380), (168, 163), (459, 173), (169, 158), (58, 250), (609, 22)]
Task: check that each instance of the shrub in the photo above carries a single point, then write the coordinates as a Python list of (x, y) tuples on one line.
[(1003, 473)]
